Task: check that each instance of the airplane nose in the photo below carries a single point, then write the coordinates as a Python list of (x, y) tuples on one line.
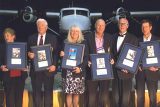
[(82, 21)]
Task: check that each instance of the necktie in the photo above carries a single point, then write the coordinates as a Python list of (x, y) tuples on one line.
[(121, 35), (41, 41)]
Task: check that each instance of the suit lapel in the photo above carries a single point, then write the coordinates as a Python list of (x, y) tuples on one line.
[(35, 40), (106, 44), (94, 43), (46, 39), (115, 41)]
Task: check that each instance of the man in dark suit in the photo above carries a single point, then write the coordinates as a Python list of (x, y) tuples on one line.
[(148, 76), (122, 82), (98, 91), (42, 78)]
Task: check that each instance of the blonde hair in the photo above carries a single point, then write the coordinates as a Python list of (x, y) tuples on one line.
[(80, 35)]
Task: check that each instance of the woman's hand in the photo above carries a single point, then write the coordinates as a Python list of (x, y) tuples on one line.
[(4, 68), (76, 70)]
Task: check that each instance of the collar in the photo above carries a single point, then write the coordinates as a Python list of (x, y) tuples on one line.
[(147, 39), (122, 34)]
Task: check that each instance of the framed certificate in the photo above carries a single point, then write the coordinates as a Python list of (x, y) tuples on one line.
[(42, 57), (16, 57), (129, 58), (73, 55), (151, 56), (101, 69)]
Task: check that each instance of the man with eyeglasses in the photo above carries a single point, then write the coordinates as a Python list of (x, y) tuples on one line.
[(122, 82)]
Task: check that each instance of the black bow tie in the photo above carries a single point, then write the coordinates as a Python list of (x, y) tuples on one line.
[(121, 35)]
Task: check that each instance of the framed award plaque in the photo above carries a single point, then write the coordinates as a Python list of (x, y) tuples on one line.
[(101, 69), (43, 57), (16, 57), (151, 56), (73, 55), (129, 58)]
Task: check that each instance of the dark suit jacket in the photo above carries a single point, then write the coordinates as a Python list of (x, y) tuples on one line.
[(147, 73), (91, 43), (50, 39), (129, 38)]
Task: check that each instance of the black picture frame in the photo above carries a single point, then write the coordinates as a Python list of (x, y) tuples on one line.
[(151, 56), (73, 55), (101, 69), (42, 57), (16, 57), (129, 58)]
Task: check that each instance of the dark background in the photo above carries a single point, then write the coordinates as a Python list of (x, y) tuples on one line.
[(23, 29)]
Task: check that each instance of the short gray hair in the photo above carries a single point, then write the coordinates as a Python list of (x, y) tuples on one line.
[(41, 20)]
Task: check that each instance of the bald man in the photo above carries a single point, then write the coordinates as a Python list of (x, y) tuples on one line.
[(98, 42)]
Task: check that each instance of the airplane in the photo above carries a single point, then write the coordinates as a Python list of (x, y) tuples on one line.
[(122, 12), (67, 17), (76, 16)]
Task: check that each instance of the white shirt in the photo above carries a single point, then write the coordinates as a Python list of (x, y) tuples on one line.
[(120, 41), (39, 37), (147, 39)]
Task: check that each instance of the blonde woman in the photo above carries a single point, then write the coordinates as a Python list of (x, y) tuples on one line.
[(73, 80)]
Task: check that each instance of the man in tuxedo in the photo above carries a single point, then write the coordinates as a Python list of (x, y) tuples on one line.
[(122, 82), (43, 78), (150, 75), (97, 91)]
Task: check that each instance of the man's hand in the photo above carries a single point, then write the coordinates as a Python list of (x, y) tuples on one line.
[(52, 68), (31, 55), (89, 63), (139, 68), (112, 61), (154, 69), (124, 70), (61, 53)]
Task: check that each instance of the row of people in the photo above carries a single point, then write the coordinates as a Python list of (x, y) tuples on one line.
[(78, 81)]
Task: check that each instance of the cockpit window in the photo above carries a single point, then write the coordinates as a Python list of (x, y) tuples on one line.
[(82, 12), (67, 12)]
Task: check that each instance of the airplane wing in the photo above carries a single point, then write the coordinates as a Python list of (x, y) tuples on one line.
[(94, 15), (8, 12), (145, 13), (52, 14)]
